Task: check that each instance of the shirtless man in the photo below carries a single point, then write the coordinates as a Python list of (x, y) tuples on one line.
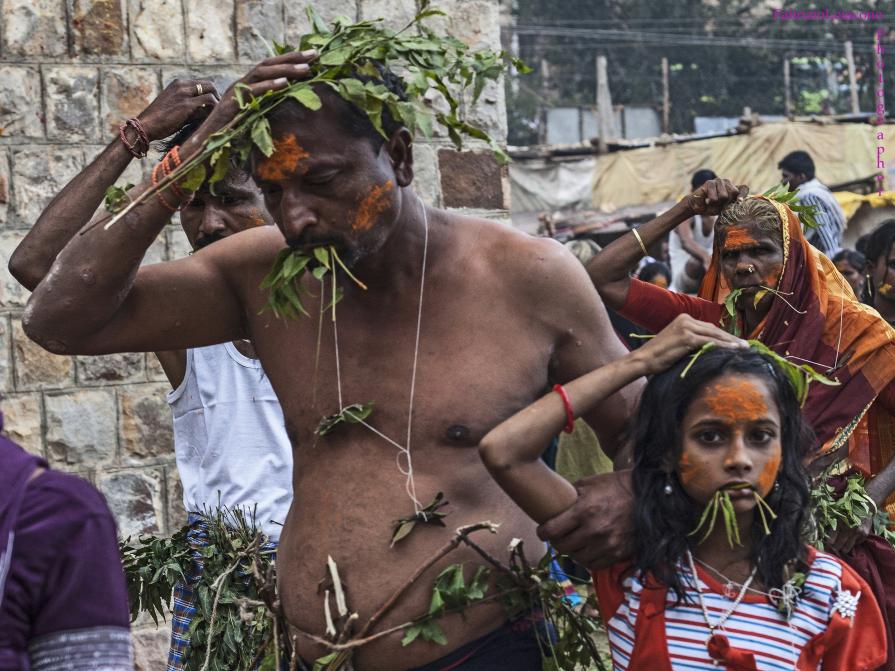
[(501, 316)]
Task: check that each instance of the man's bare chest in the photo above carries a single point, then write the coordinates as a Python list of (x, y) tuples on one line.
[(466, 369)]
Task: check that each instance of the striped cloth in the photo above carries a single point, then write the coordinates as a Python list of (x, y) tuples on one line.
[(183, 608), (827, 237), (755, 626)]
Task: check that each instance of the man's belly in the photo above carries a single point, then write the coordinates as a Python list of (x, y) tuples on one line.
[(349, 515)]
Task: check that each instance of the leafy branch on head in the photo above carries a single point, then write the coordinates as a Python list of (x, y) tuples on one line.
[(351, 60)]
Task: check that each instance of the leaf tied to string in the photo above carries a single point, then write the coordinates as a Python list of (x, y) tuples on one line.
[(428, 515), (350, 414)]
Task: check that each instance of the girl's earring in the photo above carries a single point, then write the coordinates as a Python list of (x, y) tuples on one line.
[(777, 486), (668, 489)]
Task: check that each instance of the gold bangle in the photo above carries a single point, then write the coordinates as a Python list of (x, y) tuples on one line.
[(640, 240)]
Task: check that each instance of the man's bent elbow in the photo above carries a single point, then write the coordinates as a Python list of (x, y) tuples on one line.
[(22, 269), (38, 330)]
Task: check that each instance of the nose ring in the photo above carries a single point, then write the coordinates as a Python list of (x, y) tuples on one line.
[(750, 269)]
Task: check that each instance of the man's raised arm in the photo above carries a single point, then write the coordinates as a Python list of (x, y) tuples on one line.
[(72, 207), (96, 299)]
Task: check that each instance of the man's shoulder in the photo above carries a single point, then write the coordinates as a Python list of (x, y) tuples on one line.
[(504, 246)]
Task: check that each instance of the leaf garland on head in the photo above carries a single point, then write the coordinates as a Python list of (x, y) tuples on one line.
[(349, 59), (806, 213)]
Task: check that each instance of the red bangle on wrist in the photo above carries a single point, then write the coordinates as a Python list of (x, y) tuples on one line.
[(570, 416)]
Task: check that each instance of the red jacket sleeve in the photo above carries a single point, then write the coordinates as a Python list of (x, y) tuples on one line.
[(654, 308), (855, 643), (608, 585)]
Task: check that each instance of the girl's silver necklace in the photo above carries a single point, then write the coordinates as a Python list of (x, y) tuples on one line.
[(705, 611)]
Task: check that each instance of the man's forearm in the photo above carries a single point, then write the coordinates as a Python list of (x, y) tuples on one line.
[(93, 274), (66, 214)]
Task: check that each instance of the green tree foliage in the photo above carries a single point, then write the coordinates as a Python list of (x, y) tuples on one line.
[(719, 77)]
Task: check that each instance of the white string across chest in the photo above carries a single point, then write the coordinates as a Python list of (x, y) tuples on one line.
[(404, 454)]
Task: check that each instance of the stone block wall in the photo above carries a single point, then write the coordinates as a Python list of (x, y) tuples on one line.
[(70, 71)]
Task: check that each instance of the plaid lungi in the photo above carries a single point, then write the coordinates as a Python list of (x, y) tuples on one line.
[(183, 609)]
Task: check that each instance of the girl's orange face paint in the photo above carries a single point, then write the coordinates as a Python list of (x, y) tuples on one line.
[(737, 399), (731, 433), (374, 203), (285, 160)]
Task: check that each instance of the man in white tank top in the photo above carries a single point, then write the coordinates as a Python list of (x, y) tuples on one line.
[(230, 441)]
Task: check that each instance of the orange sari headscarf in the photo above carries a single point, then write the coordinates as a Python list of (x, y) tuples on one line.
[(818, 320)]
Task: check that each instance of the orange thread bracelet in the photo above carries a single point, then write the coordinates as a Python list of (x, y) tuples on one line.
[(570, 416)]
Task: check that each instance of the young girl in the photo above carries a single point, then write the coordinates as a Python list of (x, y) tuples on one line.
[(720, 577)]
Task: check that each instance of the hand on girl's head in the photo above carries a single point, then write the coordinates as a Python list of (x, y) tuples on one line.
[(682, 336)]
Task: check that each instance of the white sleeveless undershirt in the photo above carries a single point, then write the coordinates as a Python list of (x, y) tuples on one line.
[(229, 437)]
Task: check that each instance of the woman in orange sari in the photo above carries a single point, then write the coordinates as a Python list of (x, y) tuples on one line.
[(766, 282)]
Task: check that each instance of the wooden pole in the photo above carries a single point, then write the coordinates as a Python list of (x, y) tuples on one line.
[(666, 95), (604, 106), (852, 80), (787, 88)]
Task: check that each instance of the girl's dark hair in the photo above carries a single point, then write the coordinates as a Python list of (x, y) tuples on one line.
[(663, 521)]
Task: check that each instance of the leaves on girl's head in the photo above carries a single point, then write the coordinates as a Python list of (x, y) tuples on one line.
[(428, 515), (117, 197), (351, 414), (702, 350), (799, 375)]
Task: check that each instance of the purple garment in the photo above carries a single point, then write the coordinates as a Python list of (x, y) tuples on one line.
[(65, 581)]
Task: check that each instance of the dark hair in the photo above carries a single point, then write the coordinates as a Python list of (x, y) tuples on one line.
[(181, 136), (353, 120), (650, 270), (861, 244), (663, 521), (855, 259), (798, 163), (879, 242), (700, 177)]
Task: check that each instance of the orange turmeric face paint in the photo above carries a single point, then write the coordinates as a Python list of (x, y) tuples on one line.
[(768, 475), (374, 204), (737, 400), (730, 433), (737, 237), (255, 218), (285, 160)]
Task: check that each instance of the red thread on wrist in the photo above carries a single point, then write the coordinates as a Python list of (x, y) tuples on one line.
[(570, 416), (139, 148)]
